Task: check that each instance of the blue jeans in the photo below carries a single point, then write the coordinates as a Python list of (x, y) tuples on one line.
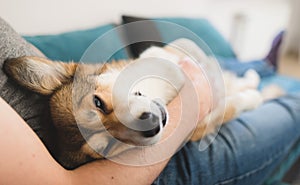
[(260, 66), (246, 150)]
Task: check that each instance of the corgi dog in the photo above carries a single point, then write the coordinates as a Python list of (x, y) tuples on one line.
[(90, 98)]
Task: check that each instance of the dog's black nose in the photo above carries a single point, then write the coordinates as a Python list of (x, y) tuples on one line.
[(152, 120), (152, 132), (146, 115)]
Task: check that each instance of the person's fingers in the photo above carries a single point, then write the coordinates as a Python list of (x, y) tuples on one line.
[(199, 104), (201, 85)]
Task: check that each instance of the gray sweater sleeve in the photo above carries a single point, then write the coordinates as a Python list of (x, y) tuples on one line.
[(33, 108)]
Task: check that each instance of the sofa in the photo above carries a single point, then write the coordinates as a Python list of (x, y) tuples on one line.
[(72, 46)]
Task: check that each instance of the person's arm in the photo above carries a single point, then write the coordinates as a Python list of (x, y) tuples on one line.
[(25, 160)]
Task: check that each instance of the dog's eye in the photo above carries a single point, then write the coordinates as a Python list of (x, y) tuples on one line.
[(100, 104), (138, 93)]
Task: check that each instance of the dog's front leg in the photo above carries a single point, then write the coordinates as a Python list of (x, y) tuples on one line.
[(165, 77), (104, 145)]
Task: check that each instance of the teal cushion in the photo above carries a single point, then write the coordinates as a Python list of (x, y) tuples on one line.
[(72, 45), (203, 29)]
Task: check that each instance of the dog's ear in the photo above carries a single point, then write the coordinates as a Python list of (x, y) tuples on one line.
[(39, 74)]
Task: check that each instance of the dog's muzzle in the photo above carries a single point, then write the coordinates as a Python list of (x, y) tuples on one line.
[(154, 120)]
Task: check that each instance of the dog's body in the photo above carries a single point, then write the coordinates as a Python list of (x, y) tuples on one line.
[(84, 104)]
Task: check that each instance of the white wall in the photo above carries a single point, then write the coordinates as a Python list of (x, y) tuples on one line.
[(264, 18), (292, 39)]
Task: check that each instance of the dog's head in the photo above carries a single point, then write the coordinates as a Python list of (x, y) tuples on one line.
[(82, 95)]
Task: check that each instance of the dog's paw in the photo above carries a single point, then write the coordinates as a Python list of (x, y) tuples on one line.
[(253, 78), (272, 91), (164, 83), (162, 77), (248, 100)]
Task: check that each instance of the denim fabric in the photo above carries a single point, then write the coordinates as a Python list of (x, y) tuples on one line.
[(260, 66), (266, 71), (246, 150), (290, 85)]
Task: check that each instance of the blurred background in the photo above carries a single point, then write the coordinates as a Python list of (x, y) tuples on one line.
[(249, 26), (245, 24)]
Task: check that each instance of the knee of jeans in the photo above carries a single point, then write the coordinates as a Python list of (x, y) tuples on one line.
[(292, 104)]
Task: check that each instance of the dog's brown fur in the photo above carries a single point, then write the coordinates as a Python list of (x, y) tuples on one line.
[(56, 79), (68, 109)]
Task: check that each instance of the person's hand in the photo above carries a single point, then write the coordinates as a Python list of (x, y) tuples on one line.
[(196, 83)]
